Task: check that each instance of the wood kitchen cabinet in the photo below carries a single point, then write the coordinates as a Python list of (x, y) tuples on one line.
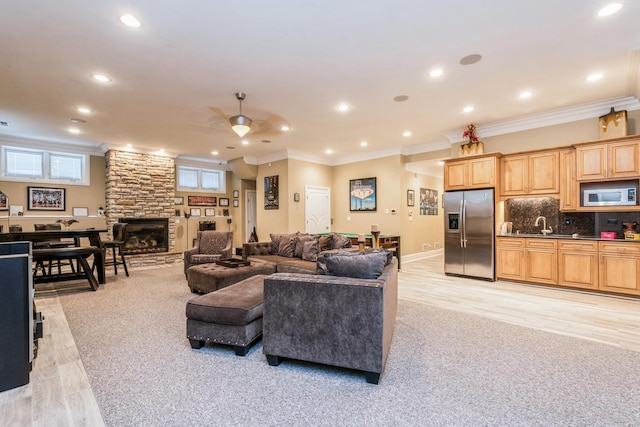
[(612, 160), (541, 261), (530, 174), (475, 172), (510, 258), (569, 188), (619, 267), (578, 263)]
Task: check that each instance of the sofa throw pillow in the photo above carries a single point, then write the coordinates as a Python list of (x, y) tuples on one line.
[(358, 265), (302, 238), (275, 243), (287, 245), (310, 250), (339, 241), (325, 243)]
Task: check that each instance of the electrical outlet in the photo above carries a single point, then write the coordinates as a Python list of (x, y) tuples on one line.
[(386, 211), (426, 247), (437, 245)]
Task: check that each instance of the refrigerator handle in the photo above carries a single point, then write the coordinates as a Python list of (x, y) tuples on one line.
[(463, 215), (461, 223)]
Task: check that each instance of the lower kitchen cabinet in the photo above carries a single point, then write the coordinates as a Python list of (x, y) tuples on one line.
[(578, 263), (620, 267), (541, 260), (510, 261)]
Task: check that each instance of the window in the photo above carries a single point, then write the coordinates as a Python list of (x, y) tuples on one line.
[(20, 164), (192, 178)]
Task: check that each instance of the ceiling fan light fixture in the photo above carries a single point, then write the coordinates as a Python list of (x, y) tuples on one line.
[(240, 124)]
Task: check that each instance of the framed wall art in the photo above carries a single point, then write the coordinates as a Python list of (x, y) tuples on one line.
[(428, 201), (224, 201), (271, 190), (236, 203), (178, 201), (45, 199), (4, 202), (202, 201), (362, 195), (236, 194), (195, 212), (209, 212), (411, 198)]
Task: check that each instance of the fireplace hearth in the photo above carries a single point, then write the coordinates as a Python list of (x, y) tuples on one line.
[(145, 235)]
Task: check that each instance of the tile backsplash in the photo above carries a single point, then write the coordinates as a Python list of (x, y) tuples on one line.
[(523, 213)]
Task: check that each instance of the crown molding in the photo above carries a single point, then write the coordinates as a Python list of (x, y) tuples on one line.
[(93, 149), (551, 118), (426, 147), (200, 162)]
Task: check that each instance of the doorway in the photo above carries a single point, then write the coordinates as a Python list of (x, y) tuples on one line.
[(317, 209), (251, 211)]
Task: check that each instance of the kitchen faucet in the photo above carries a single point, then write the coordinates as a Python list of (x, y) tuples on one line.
[(544, 230)]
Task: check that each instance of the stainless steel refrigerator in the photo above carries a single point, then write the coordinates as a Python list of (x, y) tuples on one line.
[(469, 233)]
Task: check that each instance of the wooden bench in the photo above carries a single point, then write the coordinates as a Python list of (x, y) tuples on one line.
[(80, 254)]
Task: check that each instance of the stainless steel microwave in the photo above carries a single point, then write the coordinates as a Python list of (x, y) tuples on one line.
[(610, 197)]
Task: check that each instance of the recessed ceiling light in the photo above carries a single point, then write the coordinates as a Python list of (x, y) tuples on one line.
[(230, 147), (401, 98), (470, 59), (343, 108), (526, 94), (215, 153), (329, 151), (406, 133), (468, 109), (440, 163), (130, 21), (245, 142), (436, 72), (594, 77), (75, 120), (364, 143), (74, 130), (266, 141), (610, 9), (101, 78), (285, 128), (84, 110)]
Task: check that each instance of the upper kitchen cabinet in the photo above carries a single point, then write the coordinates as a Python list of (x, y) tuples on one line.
[(472, 172), (617, 159), (530, 174)]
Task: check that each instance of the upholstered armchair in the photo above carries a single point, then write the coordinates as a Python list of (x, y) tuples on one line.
[(210, 246)]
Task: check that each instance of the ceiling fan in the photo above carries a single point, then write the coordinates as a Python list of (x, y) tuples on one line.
[(241, 124)]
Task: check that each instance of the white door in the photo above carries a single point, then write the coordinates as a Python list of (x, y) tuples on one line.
[(317, 209), (251, 210)]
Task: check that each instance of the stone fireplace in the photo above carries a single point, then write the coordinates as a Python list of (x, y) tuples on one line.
[(140, 190), (145, 235)]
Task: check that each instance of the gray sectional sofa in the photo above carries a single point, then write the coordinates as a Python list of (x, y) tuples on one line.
[(334, 320), (295, 252)]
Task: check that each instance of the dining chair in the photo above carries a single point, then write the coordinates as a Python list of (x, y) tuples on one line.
[(116, 243)]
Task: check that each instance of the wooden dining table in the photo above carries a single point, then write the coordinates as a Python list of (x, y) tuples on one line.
[(93, 236)]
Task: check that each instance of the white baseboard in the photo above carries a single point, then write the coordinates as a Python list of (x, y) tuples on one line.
[(422, 255)]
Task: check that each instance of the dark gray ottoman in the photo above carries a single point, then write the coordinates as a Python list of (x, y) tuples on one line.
[(232, 315), (205, 278)]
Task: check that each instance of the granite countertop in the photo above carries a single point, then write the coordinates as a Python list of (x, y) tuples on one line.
[(565, 236)]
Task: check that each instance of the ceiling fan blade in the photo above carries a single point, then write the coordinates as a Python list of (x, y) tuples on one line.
[(218, 112), (272, 125)]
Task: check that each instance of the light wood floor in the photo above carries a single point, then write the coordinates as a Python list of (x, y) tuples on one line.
[(59, 392)]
